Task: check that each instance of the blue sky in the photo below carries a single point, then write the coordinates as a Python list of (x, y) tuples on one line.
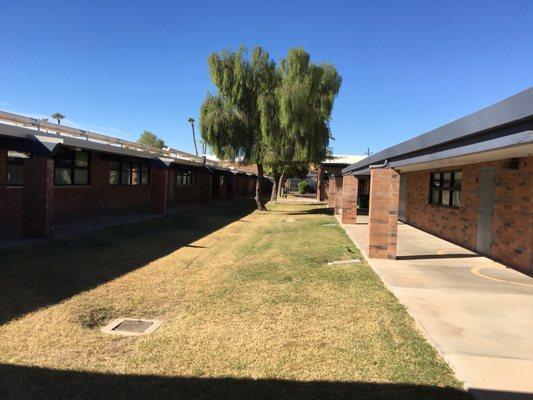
[(120, 67)]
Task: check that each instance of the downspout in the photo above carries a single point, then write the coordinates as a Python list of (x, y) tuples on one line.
[(383, 165)]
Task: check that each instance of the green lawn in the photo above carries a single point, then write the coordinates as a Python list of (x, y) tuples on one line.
[(250, 310)]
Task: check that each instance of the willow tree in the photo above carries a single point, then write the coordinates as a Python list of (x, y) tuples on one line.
[(231, 121), (300, 115), (306, 95)]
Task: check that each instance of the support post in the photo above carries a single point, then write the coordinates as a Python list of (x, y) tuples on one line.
[(159, 196), (320, 184), (38, 197), (350, 186), (383, 217)]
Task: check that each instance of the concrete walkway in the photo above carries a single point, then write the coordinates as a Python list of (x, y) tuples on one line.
[(477, 313)]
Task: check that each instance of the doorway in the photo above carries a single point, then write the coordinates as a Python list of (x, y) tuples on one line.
[(485, 210), (402, 205)]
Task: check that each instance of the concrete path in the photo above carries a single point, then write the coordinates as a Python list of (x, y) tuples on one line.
[(476, 312)]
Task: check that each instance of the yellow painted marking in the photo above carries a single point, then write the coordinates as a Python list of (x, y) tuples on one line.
[(476, 271)]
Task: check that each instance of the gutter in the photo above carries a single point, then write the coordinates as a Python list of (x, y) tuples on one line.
[(382, 165)]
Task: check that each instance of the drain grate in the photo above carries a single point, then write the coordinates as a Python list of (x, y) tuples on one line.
[(131, 326)]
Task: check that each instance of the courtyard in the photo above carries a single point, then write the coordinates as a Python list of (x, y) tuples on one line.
[(249, 309)]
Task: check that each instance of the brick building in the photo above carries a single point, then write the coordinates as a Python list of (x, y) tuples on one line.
[(469, 182), (48, 170), (329, 180)]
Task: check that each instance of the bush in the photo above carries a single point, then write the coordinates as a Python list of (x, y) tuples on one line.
[(303, 187)]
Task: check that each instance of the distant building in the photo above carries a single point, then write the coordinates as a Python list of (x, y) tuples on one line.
[(48, 170)]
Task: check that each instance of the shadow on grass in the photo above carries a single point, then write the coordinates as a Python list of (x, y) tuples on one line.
[(18, 382), (36, 276), (313, 211)]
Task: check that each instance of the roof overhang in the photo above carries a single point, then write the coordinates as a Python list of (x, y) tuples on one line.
[(503, 118)]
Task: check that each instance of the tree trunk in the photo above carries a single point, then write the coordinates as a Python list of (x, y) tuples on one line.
[(274, 194), (194, 140), (258, 188), (281, 183)]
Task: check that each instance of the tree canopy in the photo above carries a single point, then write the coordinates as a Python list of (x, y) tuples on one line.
[(149, 139), (268, 114)]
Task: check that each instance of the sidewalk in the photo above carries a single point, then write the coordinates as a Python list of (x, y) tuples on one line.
[(476, 312)]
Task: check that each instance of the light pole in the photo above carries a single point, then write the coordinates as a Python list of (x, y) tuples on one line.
[(191, 121)]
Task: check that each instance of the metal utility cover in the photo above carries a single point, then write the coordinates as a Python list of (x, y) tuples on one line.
[(131, 326)]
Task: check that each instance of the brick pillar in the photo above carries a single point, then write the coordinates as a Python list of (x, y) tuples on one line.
[(205, 188), (159, 193), (38, 197), (383, 220), (350, 186), (320, 184), (331, 192), (338, 195)]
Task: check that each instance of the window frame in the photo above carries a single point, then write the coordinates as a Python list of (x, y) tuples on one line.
[(440, 187), (127, 166), (9, 161), (185, 177), (73, 167)]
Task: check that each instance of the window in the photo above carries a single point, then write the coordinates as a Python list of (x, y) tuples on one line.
[(446, 188), (185, 178), (128, 173), (114, 173), (71, 167), (15, 168), (145, 175)]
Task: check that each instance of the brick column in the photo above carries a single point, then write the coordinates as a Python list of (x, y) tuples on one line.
[(331, 192), (350, 186), (205, 188), (38, 197), (383, 220), (159, 190), (320, 184)]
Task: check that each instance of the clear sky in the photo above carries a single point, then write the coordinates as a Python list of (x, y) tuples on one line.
[(120, 67)]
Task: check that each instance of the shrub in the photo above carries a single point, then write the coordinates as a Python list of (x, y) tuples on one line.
[(303, 187)]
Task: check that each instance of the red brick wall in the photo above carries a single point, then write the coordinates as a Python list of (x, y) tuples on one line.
[(349, 199), (10, 197), (99, 195), (512, 233), (38, 197), (383, 214), (187, 193)]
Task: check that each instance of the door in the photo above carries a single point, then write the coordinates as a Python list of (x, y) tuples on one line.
[(403, 198), (484, 211)]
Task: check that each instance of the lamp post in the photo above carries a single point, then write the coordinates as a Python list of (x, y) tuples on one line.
[(191, 121)]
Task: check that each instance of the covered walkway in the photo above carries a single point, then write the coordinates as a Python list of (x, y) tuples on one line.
[(477, 312)]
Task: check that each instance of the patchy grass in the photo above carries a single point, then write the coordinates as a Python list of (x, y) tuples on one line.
[(250, 310)]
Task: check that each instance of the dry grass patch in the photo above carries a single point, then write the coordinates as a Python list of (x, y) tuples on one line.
[(250, 309)]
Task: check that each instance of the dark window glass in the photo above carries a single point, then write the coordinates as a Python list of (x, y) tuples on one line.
[(114, 173), (145, 175), (125, 175), (81, 176), (71, 167), (15, 171), (135, 174), (445, 188), (82, 159), (63, 176), (185, 178)]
